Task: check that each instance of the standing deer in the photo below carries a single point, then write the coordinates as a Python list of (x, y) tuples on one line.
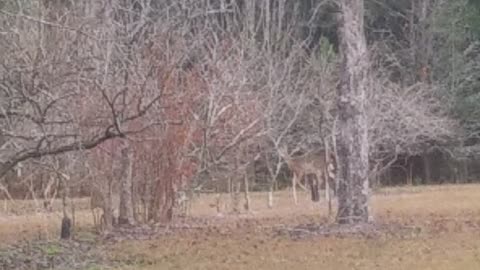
[(182, 203), (104, 208), (97, 206), (316, 163)]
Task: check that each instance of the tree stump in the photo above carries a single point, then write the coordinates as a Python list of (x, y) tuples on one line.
[(66, 228)]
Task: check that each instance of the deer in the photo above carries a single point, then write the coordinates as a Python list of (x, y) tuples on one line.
[(315, 162), (182, 203), (97, 206), (103, 209)]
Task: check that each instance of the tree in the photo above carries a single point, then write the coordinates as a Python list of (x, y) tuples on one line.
[(78, 93), (456, 25), (352, 136), (95, 72), (125, 216)]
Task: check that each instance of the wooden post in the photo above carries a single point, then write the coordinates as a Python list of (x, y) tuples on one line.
[(247, 195)]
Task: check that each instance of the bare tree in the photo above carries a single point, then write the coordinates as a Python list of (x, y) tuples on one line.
[(404, 119), (197, 89), (125, 215), (68, 91), (352, 137)]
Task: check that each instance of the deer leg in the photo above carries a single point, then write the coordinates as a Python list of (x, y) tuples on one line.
[(294, 189), (302, 186), (333, 187), (331, 178), (96, 221), (327, 194), (314, 188), (311, 184), (94, 218)]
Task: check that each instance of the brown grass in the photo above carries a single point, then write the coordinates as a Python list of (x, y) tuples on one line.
[(450, 251), (25, 220), (448, 215), (36, 226)]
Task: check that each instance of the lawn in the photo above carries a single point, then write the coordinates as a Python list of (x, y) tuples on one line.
[(445, 235)]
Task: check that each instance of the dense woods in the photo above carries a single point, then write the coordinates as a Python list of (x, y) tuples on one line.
[(140, 103)]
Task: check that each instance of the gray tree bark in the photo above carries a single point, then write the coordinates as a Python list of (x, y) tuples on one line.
[(108, 216), (125, 216), (351, 137)]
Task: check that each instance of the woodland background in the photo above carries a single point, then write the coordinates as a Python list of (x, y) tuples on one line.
[(143, 99)]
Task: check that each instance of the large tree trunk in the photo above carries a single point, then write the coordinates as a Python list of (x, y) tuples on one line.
[(421, 39), (351, 138), (125, 216), (161, 207), (108, 215)]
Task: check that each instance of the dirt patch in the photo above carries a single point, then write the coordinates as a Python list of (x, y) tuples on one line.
[(191, 225), (369, 230)]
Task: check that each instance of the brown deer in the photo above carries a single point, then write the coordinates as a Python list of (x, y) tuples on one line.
[(97, 205), (103, 209), (316, 163)]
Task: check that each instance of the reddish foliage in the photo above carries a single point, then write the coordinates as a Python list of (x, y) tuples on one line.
[(161, 165)]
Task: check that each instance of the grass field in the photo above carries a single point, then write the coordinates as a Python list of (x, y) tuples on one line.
[(446, 218)]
